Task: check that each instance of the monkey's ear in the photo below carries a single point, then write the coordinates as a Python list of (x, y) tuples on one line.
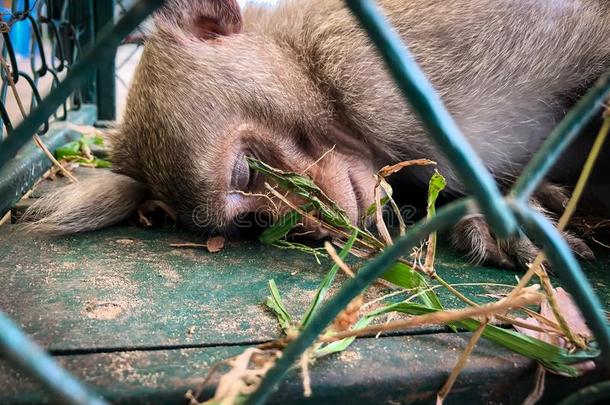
[(205, 19), (91, 204)]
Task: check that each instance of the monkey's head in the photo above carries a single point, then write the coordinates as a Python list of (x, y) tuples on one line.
[(207, 94)]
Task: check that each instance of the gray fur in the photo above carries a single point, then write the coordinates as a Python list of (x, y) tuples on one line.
[(85, 206), (507, 70), (291, 82)]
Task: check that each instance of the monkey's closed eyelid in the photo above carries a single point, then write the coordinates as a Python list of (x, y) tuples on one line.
[(240, 174)]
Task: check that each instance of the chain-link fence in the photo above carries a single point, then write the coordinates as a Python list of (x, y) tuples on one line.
[(65, 36), (41, 41)]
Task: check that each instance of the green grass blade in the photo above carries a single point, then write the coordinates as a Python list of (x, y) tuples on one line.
[(373, 207), (280, 228), (103, 163), (327, 281), (95, 140), (70, 149), (305, 188), (274, 302), (405, 276), (315, 252), (74, 151), (340, 345), (436, 185), (554, 358)]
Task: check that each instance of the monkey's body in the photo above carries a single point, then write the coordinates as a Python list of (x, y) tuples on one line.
[(304, 77), (507, 70)]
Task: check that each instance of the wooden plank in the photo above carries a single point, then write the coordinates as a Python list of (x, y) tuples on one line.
[(125, 287), (88, 298), (402, 369)]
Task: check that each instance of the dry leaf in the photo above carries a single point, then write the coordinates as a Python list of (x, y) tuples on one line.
[(573, 317), (388, 170), (216, 244)]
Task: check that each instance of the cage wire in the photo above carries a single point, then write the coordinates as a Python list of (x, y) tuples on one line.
[(56, 49), (41, 41)]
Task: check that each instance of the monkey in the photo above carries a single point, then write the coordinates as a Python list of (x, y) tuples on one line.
[(301, 87)]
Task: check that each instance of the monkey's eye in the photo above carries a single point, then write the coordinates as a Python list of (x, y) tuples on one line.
[(240, 176)]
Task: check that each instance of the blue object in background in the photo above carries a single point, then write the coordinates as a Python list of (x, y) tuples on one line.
[(20, 33)]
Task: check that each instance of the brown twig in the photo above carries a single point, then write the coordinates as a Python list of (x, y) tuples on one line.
[(318, 160), (402, 227), (314, 218), (194, 397), (381, 226), (259, 195), (391, 169), (5, 218), (563, 324), (461, 363), (551, 327), (189, 245), (338, 261), (528, 296), (305, 373)]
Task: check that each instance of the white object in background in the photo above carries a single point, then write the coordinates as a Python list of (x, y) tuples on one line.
[(242, 3)]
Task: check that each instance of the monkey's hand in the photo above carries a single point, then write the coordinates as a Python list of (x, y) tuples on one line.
[(148, 207), (473, 236)]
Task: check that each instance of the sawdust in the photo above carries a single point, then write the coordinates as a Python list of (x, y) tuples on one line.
[(187, 253), (108, 280), (125, 367), (350, 356), (70, 265), (103, 310), (167, 272)]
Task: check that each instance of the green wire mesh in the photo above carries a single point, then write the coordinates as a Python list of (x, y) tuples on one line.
[(505, 215)]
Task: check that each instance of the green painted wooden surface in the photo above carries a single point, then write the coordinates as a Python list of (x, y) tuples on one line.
[(126, 287), (390, 370), (141, 321)]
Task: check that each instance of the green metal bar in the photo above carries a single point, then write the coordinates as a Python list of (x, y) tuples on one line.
[(561, 258), (560, 139), (16, 346), (440, 124), (83, 13), (445, 217), (104, 49), (105, 81)]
